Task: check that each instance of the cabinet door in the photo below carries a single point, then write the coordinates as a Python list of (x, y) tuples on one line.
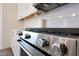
[(20, 11), (1, 31), (25, 9), (14, 45)]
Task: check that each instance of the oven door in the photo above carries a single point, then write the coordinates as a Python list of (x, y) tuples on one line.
[(23, 53), (27, 50)]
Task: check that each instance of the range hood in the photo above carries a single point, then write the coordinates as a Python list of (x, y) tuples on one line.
[(47, 6)]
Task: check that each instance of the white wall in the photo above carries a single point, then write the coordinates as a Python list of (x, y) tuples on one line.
[(32, 23), (35, 22), (9, 22), (54, 19), (1, 27), (67, 20)]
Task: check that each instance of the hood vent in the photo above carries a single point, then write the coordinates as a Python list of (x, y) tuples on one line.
[(47, 6)]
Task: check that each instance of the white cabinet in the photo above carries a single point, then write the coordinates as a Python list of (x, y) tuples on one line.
[(14, 44), (1, 39), (19, 11), (25, 9)]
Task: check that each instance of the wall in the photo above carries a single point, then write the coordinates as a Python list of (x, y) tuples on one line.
[(65, 17), (35, 22), (1, 27), (9, 22), (32, 23), (62, 17)]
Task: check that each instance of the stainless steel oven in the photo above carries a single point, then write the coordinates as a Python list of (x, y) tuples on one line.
[(40, 44)]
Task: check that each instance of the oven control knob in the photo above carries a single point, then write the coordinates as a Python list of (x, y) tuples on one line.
[(19, 40), (59, 49), (19, 33), (44, 43), (27, 36)]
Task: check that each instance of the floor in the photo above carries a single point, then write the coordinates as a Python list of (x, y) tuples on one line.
[(6, 52)]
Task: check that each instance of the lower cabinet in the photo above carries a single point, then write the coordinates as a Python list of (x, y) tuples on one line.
[(14, 44)]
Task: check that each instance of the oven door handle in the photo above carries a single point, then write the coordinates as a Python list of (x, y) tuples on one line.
[(19, 42)]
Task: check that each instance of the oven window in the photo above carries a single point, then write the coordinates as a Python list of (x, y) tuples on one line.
[(23, 53)]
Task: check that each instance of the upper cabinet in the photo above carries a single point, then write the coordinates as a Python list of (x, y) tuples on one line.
[(25, 10)]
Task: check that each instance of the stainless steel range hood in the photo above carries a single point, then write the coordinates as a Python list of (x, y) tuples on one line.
[(47, 6)]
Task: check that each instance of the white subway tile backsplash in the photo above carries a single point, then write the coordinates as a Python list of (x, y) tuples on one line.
[(66, 16)]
